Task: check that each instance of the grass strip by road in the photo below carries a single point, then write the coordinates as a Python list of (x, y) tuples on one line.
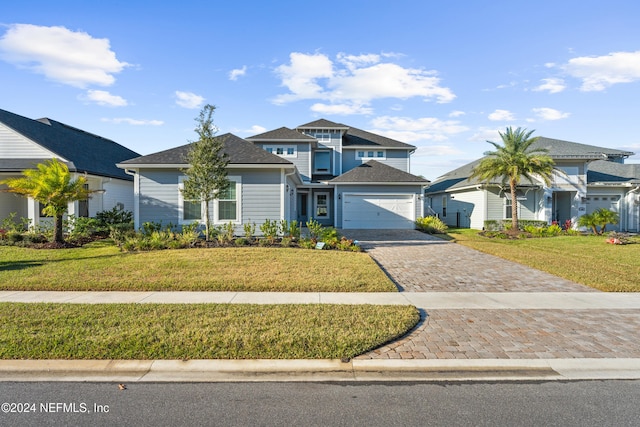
[(100, 266), (583, 259), (197, 331)]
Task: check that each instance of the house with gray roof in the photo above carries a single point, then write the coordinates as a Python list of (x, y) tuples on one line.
[(330, 172), (587, 178), (25, 142)]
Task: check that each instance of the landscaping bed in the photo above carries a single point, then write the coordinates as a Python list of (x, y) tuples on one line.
[(198, 331)]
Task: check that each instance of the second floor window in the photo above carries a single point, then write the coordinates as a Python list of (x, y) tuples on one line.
[(371, 154), (281, 150)]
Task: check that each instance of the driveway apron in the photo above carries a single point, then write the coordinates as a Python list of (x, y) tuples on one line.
[(419, 262)]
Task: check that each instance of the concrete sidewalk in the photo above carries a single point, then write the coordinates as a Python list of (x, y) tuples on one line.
[(422, 300)]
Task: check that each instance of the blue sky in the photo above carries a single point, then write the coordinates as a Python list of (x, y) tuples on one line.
[(444, 76)]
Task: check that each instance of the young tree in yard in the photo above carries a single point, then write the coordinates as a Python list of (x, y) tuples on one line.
[(512, 161), (207, 172), (51, 185)]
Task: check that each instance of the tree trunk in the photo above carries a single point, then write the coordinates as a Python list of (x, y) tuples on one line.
[(57, 229), (206, 220), (514, 206)]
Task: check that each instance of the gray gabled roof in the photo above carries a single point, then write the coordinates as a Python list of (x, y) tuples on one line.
[(376, 172), (240, 151), (355, 137), (613, 172), (85, 152), (360, 138), (323, 124), (559, 149), (282, 134)]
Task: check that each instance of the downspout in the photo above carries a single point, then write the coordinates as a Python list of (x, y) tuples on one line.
[(136, 197)]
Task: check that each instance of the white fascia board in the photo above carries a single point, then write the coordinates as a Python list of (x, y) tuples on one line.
[(152, 165)]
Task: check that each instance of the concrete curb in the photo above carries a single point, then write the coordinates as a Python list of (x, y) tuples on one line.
[(133, 371)]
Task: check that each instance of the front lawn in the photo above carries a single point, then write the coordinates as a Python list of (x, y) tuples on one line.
[(198, 331), (583, 259), (100, 266)]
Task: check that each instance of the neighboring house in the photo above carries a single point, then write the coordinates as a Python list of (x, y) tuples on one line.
[(593, 177), (335, 174), (25, 142)]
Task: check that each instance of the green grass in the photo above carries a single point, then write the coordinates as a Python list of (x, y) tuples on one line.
[(583, 259), (101, 266), (197, 331)]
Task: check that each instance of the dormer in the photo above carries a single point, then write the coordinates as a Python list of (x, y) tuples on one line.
[(327, 154), (288, 144)]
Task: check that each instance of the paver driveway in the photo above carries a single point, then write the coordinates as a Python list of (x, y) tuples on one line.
[(419, 262)]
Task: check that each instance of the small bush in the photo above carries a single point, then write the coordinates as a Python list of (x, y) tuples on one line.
[(242, 241), (431, 225), (270, 230)]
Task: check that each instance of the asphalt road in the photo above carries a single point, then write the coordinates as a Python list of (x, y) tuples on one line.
[(581, 403)]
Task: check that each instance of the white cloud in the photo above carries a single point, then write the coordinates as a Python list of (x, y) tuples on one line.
[(188, 99), (341, 109), (552, 85), (457, 113), (253, 130), (133, 122), (599, 72), (102, 97), (502, 116), (550, 114), (486, 134), (64, 56), (302, 75), (238, 72), (355, 81), (411, 130)]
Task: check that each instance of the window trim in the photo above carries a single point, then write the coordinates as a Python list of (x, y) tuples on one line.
[(364, 155), (216, 210), (316, 204), (273, 149), (181, 200)]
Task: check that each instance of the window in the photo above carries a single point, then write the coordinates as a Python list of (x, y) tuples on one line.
[(323, 136), (508, 207), (322, 162), (189, 210), (444, 206), (281, 150), (228, 204), (83, 205), (322, 205), (375, 154)]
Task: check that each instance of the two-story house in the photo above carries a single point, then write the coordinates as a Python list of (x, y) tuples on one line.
[(338, 175), (592, 177)]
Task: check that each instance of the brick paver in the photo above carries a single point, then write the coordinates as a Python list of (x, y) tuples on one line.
[(418, 262), (518, 334)]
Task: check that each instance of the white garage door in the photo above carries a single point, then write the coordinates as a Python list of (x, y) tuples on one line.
[(605, 202), (388, 211)]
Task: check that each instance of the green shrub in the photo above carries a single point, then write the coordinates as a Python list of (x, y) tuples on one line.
[(431, 225), (270, 230), (307, 243), (249, 230), (315, 228), (285, 242), (114, 216), (242, 241)]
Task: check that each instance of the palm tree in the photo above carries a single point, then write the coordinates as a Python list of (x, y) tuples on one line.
[(516, 159), (51, 185), (606, 216)]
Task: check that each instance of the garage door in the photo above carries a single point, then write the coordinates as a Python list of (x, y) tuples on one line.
[(389, 211), (605, 202)]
